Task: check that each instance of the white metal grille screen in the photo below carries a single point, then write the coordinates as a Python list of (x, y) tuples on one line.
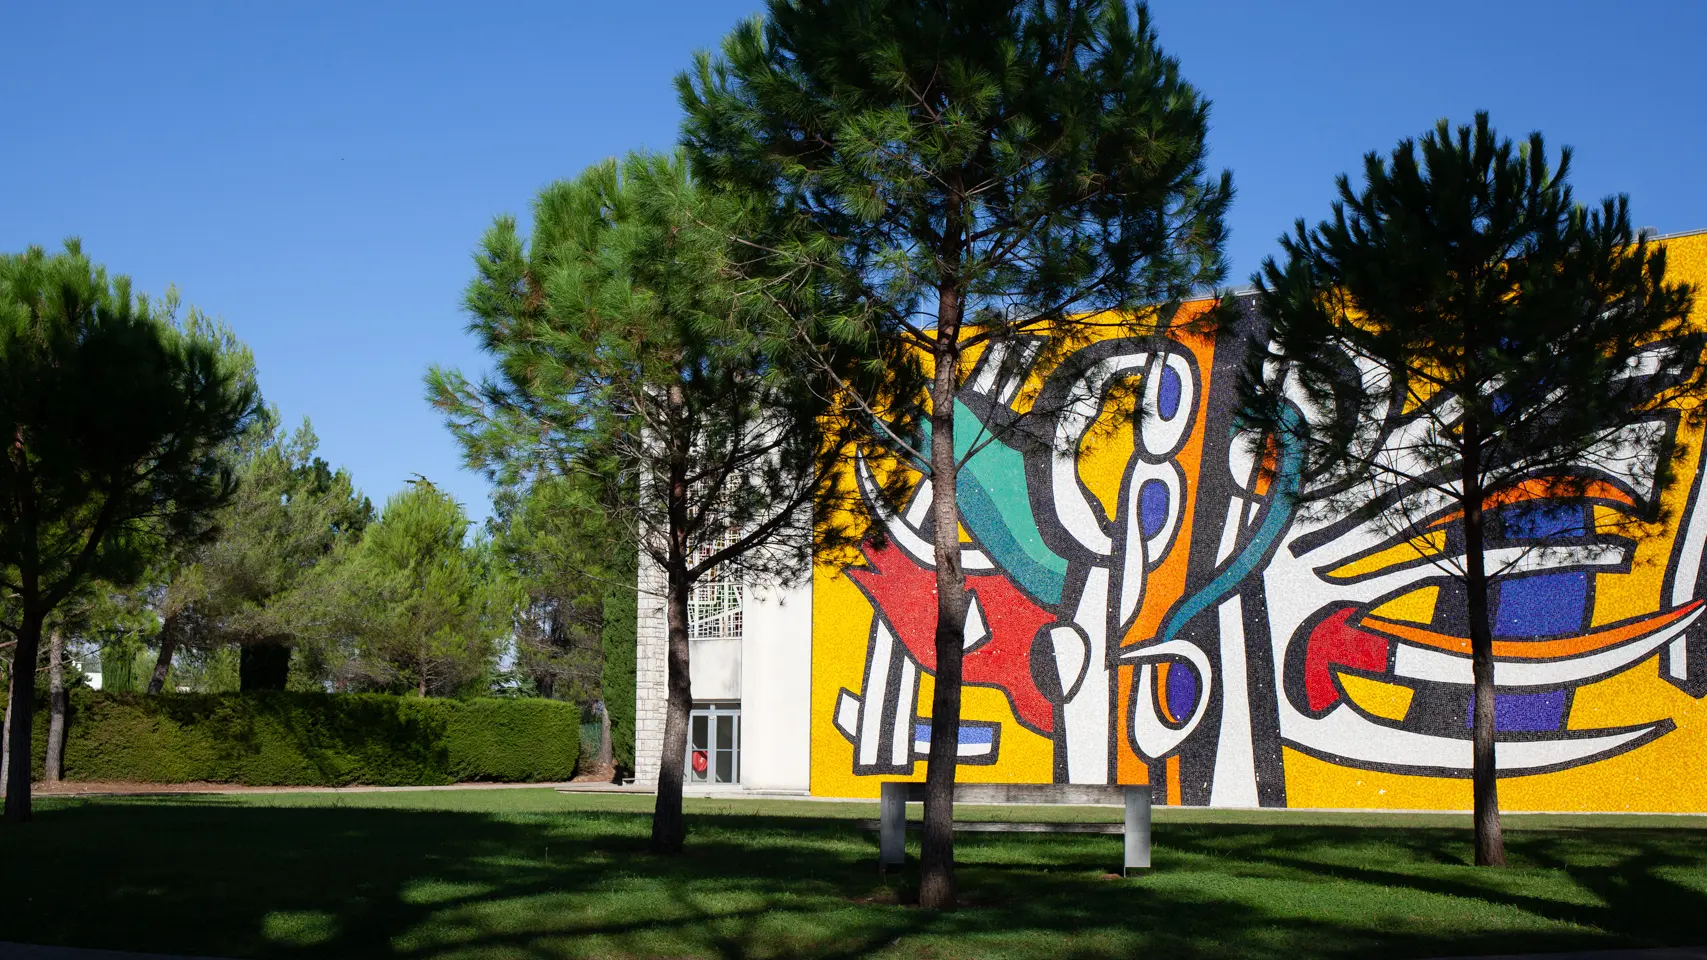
[(714, 604)]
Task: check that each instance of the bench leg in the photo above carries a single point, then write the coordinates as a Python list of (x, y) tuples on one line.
[(1137, 829), (892, 827)]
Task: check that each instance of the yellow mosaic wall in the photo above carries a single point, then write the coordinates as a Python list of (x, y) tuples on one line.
[(1144, 616)]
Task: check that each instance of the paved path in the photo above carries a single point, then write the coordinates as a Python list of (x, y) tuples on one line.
[(1661, 954), (71, 788)]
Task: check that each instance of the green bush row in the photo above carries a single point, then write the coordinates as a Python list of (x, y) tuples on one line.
[(314, 739)]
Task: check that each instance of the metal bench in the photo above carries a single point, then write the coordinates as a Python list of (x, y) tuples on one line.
[(892, 815)]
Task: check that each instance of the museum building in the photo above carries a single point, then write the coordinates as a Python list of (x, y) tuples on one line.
[(1149, 611)]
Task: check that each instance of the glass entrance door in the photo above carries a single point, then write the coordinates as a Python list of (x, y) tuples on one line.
[(714, 743)]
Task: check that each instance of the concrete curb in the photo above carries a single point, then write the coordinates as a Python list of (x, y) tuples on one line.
[(1660, 954)]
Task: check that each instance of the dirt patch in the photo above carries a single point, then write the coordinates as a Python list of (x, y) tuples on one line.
[(596, 775), (66, 788)]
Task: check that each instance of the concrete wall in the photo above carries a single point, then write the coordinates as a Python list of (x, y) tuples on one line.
[(714, 666), (776, 686)]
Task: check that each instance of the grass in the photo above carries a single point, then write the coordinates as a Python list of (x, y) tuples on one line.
[(536, 874)]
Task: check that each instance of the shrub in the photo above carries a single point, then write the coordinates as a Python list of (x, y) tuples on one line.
[(317, 739), (519, 741)]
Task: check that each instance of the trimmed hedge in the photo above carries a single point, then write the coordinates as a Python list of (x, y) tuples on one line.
[(515, 741), (316, 739)]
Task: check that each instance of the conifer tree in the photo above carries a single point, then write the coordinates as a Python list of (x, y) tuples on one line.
[(410, 607), (965, 174), (114, 420), (243, 584), (1459, 342), (565, 552), (628, 355)]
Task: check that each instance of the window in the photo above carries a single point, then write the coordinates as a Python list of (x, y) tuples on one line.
[(714, 743), (714, 604)]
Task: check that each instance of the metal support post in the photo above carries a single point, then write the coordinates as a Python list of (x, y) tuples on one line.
[(892, 827), (1137, 829)]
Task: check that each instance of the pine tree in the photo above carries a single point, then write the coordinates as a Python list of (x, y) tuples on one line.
[(966, 174), (115, 418), (410, 607), (241, 585), (557, 538), (629, 355), (1457, 336)]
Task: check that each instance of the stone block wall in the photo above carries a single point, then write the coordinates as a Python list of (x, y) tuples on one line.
[(651, 673)]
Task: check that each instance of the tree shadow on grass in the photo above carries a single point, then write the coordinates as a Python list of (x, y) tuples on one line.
[(214, 876), (1600, 887)]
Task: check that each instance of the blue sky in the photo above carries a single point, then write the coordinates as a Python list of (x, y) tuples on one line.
[(318, 174)]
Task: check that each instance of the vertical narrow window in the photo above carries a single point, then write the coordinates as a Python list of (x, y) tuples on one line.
[(714, 605)]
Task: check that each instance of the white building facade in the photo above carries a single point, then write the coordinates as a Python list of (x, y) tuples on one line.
[(751, 670)]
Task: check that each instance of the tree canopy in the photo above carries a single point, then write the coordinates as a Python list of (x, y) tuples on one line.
[(954, 176), (117, 419), (290, 512), (567, 553), (1460, 340), (630, 356), (410, 606)]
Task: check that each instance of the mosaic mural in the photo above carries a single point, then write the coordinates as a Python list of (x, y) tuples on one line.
[(1152, 611)]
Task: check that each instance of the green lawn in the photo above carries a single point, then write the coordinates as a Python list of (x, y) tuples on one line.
[(535, 874)]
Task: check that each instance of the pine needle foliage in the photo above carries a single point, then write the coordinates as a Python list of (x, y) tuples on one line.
[(115, 420), (630, 353), (962, 174), (1461, 334)]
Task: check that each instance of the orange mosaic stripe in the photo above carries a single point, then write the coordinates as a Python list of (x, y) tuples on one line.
[(1546, 488), (1536, 649)]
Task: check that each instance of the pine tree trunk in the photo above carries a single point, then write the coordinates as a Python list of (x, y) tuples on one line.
[(168, 646), (19, 735), (936, 859), (52, 767), (1484, 780), (669, 831)]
